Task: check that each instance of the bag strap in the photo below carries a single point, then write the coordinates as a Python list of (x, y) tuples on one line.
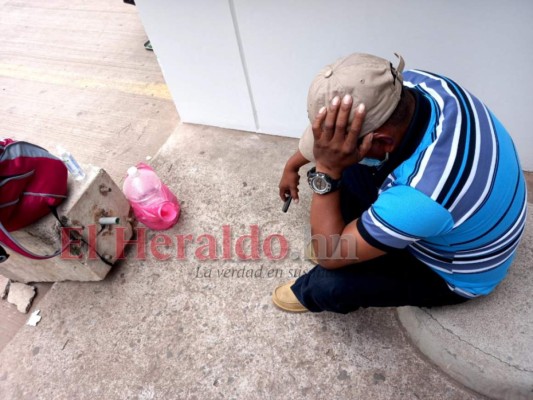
[(8, 240), (56, 215)]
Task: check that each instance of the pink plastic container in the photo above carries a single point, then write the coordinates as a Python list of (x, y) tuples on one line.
[(152, 201)]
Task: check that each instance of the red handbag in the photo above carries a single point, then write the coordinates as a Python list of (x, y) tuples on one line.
[(33, 183)]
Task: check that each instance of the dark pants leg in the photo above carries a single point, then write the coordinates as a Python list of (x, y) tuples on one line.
[(393, 280)]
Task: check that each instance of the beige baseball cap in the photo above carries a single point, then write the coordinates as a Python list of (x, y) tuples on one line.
[(368, 79)]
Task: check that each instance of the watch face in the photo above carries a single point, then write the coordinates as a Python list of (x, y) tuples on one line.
[(320, 184)]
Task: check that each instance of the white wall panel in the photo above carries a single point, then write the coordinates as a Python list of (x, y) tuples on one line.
[(196, 45), (485, 45)]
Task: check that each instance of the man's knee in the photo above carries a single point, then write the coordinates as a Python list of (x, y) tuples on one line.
[(331, 291)]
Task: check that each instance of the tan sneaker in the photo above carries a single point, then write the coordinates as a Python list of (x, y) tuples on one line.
[(284, 298)]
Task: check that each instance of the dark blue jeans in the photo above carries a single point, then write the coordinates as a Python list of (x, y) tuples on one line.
[(392, 280)]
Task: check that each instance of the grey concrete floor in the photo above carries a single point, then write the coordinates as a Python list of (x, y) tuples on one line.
[(529, 180), (192, 329), (76, 73), (180, 328)]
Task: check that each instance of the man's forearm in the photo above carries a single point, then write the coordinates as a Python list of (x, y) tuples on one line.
[(296, 161), (327, 224)]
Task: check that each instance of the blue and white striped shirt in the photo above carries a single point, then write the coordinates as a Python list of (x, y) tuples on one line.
[(458, 203)]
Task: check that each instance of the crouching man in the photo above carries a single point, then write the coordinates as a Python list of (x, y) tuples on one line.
[(414, 173)]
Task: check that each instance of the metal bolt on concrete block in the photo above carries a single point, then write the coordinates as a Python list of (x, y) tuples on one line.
[(21, 295)]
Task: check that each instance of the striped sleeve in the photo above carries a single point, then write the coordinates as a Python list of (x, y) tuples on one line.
[(401, 216)]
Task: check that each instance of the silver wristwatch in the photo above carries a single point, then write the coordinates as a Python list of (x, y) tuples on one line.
[(322, 183)]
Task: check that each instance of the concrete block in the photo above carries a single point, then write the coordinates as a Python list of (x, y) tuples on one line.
[(95, 197), (4, 286), (485, 343), (21, 295)]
